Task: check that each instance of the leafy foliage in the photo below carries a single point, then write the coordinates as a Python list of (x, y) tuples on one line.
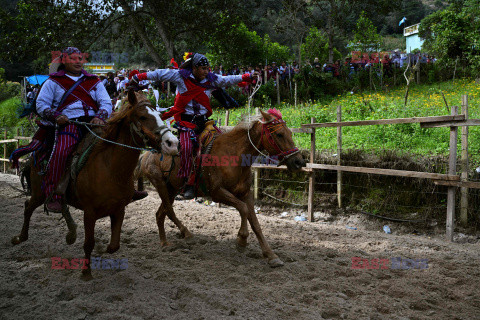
[(238, 45), (453, 34), (366, 38), (316, 46)]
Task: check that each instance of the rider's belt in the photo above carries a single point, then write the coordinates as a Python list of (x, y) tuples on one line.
[(83, 119), (195, 119)]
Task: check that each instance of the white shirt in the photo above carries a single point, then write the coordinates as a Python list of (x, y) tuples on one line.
[(51, 94), (193, 107)]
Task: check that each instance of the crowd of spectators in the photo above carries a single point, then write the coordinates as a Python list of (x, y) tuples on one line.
[(116, 83)]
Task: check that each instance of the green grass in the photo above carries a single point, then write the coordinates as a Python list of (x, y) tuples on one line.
[(423, 101)]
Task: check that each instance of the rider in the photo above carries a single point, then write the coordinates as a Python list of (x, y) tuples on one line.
[(88, 102), (195, 83)]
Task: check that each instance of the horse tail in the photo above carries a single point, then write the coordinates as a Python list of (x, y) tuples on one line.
[(137, 173), (25, 177)]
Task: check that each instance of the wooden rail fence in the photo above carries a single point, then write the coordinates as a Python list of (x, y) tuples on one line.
[(451, 179)]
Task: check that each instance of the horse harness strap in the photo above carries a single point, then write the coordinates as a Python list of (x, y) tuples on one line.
[(267, 129), (270, 127)]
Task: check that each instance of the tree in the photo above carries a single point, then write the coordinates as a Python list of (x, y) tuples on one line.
[(341, 13), (454, 33), (292, 20), (316, 46), (366, 38), (236, 44)]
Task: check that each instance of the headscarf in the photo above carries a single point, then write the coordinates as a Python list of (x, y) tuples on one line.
[(199, 60), (70, 50)]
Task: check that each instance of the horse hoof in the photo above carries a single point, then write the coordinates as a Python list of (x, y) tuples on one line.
[(71, 237), (187, 235), (86, 276), (112, 249), (17, 240), (275, 263), (241, 248), (190, 239)]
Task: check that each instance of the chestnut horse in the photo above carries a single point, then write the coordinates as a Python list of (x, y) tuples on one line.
[(105, 184), (227, 174)]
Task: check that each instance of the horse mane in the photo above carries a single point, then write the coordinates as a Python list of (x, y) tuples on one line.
[(114, 122), (247, 121)]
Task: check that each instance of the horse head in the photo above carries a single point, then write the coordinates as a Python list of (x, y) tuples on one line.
[(276, 139), (147, 126)]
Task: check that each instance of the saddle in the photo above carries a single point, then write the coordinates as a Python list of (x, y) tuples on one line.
[(76, 161)]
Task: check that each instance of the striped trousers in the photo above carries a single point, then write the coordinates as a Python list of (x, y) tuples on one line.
[(67, 139), (187, 140)]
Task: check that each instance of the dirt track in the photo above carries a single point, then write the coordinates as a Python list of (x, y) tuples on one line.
[(210, 279)]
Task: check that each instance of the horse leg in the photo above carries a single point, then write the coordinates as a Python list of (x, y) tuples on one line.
[(173, 217), (160, 217), (89, 225), (72, 226), (35, 201), (273, 259), (226, 197), (116, 221)]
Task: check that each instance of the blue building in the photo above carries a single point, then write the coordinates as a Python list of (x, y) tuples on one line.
[(411, 36)]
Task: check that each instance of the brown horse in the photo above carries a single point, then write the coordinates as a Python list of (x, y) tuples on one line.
[(105, 184), (227, 174)]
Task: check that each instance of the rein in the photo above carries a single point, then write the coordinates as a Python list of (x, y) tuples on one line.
[(267, 129), (133, 128)]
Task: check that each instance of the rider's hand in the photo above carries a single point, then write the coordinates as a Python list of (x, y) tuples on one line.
[(97, 121), (255, 75), (61, 120)]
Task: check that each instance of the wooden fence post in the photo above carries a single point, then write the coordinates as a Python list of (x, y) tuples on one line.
[(339, 157), (311, 176), (418, 71), (227, 117), (5, 152), (295, 93), (255, 173), (464, 163), (452, 169), (278, 88), (168, 90)]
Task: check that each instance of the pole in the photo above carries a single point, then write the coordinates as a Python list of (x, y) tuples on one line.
[(311, 176), (227, 117), (278, 88), (295, 93), (339, 157), (5, 152), (255, 173), (452, 169), (464, 163)]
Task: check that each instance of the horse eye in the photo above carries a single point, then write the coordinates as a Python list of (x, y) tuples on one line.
[(143, 118)]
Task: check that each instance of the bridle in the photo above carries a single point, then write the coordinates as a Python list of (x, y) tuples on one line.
[(146, 134), (268, 128)]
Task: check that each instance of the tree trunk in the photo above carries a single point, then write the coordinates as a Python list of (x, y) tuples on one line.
[(167, 40), (141, 33), (330, 35)]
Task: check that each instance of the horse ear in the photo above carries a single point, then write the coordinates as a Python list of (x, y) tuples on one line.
[(266, 116), (132, 97)]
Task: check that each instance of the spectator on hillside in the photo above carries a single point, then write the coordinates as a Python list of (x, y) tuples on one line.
[(316, 64)]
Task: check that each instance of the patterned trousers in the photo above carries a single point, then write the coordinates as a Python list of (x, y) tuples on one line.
[(67, 139), (188, 140)]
